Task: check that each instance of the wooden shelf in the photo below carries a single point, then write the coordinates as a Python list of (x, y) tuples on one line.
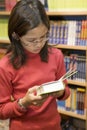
[(74, 82), (58, 13), (4, 13), (67, 12), (61, 46), (72, 114), (4, 41)]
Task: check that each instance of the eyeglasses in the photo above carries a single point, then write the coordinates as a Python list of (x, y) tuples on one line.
[(35, 42)]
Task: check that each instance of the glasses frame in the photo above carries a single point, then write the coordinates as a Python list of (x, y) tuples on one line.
[(43, 39)]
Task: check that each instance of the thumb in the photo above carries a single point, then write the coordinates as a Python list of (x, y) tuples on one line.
[(33, 91)]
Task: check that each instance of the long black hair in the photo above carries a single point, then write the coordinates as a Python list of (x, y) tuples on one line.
[(26, 15)]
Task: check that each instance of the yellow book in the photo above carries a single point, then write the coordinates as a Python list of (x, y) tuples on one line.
[(6, 28), (1, 28), (51, 5), (55, 5), (73, 102), (85, 4), (68, 102), (61, 4), (77, 4), (81, 89)]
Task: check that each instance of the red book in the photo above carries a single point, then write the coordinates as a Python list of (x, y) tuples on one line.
[(12, 3), (7, 5)]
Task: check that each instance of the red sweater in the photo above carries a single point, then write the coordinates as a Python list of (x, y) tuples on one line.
[(17, 82)]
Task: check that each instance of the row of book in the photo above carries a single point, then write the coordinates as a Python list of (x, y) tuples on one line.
[(70, 32), (75, 62), (4, 28), (56, 5), (61, 32), (75, 102), (7, 5), (50, 5)]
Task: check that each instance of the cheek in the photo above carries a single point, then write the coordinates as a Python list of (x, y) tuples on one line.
[(29, 48)]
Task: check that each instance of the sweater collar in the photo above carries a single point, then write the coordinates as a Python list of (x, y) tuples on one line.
[(30, 54)]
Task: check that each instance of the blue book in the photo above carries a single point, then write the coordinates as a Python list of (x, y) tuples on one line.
[(61, 104)]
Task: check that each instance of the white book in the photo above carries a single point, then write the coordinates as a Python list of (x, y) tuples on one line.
[(54, 86), (71, 33), (42, 1), (50, 87)]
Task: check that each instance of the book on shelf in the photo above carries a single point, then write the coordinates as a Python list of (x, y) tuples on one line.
[(76, 102), (67, 102), (54, 86), (4, 28), (81, 101), (45, 3), (68, 32), (9, 4), (68, 5), (2, 5), (78, 62)]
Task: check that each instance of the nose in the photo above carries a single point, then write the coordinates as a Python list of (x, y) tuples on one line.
[(38, 44)]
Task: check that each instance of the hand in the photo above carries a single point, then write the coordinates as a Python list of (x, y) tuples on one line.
[(32, 99), (57, 94)]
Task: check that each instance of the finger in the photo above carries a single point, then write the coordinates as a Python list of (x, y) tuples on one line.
[(39, 102), (34, 97), (31, 90), (45, 95), (34, 103)]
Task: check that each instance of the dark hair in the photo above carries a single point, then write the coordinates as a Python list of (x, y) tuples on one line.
[(26, 15)]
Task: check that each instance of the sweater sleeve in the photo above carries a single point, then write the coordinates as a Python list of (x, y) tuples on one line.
[(8, 108), (61, 71)]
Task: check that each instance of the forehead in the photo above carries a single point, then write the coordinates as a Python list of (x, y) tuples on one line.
[(37, 32)]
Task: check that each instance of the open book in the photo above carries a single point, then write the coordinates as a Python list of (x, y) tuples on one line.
[(54, 86)]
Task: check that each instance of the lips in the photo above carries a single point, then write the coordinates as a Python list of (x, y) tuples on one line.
[(37, 50)]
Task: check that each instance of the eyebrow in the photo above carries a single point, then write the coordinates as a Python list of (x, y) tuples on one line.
[(31, 39)]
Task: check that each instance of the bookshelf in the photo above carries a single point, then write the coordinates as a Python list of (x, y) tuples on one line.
[(67, 12), (72, 13), (82, 117), (62, 46), (4, 13), (4, 41)]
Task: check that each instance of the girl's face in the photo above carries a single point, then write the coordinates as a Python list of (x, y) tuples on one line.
[(35, 39)]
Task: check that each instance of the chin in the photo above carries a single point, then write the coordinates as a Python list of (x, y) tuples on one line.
[(36, 51)]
